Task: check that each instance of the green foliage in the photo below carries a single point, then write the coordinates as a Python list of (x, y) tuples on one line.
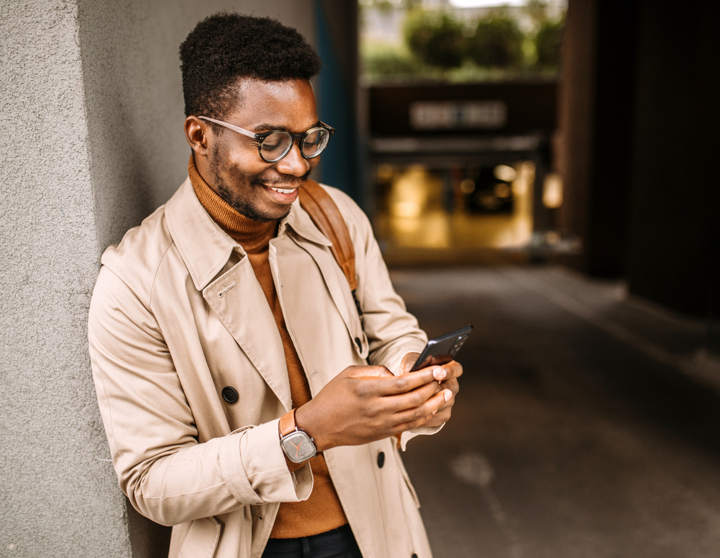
[(440, 46), (537, 10), (548, 42), (389, 61), (436, 38), (497, 42)]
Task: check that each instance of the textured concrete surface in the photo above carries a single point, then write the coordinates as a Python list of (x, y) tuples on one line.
[(586, 424), (58, 493), (91, 112)]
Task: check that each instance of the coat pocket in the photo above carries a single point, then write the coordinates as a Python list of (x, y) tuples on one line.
[(202, 539)]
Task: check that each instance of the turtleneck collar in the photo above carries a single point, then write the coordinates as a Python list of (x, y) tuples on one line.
[(254, 236)]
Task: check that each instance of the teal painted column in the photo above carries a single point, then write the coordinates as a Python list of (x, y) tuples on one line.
[(336, 95)]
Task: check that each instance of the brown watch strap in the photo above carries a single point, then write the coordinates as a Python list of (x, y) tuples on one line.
[(287, 423)]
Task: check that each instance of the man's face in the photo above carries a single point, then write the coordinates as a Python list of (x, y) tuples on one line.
[(235, 169)]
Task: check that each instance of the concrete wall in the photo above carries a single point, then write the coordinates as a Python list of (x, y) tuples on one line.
[(59, 495), (91, 112)]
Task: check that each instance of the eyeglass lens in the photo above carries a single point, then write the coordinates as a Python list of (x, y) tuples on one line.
[(275, 146)]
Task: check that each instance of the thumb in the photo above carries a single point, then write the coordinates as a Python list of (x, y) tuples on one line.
[(408, 361), (368, 372)]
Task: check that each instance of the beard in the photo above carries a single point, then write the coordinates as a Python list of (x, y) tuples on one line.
[(218, 163)]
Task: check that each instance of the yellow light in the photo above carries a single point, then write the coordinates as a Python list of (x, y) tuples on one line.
[(488, 201), (384, 172), (552, 191), (409, 193), (502, 190), (467, 186), (505, 173), (407, 209), (552, 237)]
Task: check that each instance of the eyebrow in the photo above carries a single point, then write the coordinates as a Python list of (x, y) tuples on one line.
[(268, 127)]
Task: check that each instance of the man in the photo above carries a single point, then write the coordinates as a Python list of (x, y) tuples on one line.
[(230, 359)]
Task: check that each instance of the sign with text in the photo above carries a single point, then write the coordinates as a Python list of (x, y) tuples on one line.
[(449, 115)]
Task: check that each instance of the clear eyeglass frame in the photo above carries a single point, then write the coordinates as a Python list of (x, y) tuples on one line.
[(324, 132)]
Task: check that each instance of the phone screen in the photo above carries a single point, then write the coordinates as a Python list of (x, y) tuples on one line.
[(442, 349)]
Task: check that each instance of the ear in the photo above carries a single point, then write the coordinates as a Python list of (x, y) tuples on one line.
[(197, 135)]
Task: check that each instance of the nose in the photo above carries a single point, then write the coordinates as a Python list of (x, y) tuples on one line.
[(293, 163)]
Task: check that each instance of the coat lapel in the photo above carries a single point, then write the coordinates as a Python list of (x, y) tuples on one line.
[(240, 304), (308, 237), (235, 295)]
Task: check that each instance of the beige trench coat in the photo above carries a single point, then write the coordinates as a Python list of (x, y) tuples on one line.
[(177, 315)]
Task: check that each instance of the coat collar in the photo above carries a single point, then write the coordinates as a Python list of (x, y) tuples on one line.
[(205, 247)]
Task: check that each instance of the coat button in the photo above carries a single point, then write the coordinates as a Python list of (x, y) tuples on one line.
[(358, 343), (381, 459), (230, 395)]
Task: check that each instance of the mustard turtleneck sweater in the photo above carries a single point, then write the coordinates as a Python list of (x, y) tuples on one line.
[(322, 511)]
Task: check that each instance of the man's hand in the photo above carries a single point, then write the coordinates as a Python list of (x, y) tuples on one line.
[(367, 403), (448, 380)]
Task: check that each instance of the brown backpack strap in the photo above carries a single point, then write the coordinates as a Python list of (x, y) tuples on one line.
[(327, 217)]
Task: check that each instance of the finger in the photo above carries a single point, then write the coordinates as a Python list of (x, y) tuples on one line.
[(382, 387), (443, 414), (431, 406), (404, 383), (439, 418), (453, 385), (449, 370), (368, 372), (393, 404), (446, 406), (414, 418)]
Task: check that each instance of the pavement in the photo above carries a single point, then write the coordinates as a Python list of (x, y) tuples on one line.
[(586, 425)]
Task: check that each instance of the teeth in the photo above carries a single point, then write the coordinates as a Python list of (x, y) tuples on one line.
[(282, 190)]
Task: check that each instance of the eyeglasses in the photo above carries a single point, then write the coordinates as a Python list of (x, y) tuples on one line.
[(274, 145)]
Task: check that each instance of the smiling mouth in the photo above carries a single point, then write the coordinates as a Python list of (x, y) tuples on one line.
[(283, 190)]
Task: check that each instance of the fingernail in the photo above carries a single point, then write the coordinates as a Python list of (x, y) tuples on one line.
[(439, 374), (448, 395), (435, 411)]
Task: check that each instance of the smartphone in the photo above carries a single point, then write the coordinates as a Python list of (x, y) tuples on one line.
[(442, 349)]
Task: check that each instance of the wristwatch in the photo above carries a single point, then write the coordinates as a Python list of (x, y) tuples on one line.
[(297, 444)]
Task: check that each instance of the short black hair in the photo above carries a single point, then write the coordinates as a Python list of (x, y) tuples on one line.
[(226, 47)]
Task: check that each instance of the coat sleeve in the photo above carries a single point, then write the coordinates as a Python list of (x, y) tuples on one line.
[(166, 473)]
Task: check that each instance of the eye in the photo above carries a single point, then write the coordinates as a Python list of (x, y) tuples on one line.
[(277, 141), (315, 141)]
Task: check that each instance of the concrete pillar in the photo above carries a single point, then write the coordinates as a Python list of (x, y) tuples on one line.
[(596, 118), (674, 249), (91, 114), (59, 492), (576, 117)]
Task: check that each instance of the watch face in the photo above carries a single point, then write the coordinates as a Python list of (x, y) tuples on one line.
[(298, 446)]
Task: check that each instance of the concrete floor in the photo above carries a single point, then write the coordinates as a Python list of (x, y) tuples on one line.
[(586, 426)]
